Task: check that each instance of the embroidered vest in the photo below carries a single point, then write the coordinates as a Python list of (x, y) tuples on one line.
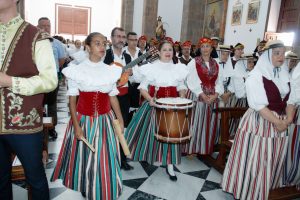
[(275, 102), (208, 76), (21, 114)]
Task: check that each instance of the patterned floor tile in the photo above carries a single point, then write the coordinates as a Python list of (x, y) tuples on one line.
[(199, 174), (149, 169), (209, 185), (134, 183), (139, 195), (186, 187)]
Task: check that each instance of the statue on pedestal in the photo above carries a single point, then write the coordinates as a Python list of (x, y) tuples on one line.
[(160, 32)]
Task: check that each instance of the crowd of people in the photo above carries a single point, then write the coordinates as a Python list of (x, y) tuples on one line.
[(123, 80)]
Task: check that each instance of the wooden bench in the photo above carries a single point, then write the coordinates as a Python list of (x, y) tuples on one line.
[(17, 172), (225, 145), (285, 193)]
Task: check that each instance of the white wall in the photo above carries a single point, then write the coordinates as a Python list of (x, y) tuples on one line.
[(105, 14), (274, 15), (171, 13), (138, 16), (242, 34)]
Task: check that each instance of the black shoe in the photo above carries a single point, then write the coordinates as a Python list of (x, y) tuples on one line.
[(126, 166), (83, 194), (173, 178), (53, 134)]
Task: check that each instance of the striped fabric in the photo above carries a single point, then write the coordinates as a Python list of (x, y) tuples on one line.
[(142, 142), (256, 159), (190, 95), (234, 123), (98, 174), (205, 129), (291, 175)]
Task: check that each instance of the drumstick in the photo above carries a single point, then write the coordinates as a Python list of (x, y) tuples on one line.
[(155, 93), (88, 144), (122, 140)]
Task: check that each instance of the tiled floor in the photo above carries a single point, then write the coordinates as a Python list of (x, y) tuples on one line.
[(196, 181)]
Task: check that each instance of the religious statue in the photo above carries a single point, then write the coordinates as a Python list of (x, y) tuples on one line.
[(160, 32)]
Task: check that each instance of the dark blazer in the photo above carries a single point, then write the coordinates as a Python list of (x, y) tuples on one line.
[(109, 58)]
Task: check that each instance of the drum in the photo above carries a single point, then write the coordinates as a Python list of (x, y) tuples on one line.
[(173, 117)]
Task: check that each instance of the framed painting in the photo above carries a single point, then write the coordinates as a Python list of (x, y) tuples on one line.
[(215, 18), (237, 13), (253, 11)]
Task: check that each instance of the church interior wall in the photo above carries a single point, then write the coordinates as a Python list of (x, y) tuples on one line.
[(171, 13), (104, 16), (138, 16), (248, 34)]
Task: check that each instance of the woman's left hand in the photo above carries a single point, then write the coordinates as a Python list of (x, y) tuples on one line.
[(212, 98)]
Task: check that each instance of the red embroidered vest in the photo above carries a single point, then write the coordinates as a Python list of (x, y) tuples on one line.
[(208, 76), (21, 114)]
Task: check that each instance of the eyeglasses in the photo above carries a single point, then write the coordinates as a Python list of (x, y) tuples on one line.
[(120, 36), (133, 40)]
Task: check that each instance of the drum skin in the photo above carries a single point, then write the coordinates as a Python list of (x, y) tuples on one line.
[(173, 122)]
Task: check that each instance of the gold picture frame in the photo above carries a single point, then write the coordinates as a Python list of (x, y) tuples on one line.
[(215, 18), (253, 12)]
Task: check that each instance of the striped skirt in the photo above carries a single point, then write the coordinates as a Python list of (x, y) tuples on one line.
[(256, 159), (97, 174), (143, 144), (205, 129), (291, 175), (234, 123)]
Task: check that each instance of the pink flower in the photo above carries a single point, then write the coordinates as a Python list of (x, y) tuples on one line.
[(16, 119)]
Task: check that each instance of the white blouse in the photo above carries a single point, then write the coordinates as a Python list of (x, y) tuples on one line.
[(226, 72), (295, 86), (92, 77), (256, 94), (194, 82), (240, 73), (162, 74)]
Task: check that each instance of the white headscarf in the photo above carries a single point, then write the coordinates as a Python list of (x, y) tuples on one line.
[(279, 75)]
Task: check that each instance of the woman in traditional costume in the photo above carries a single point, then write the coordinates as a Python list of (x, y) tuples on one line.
[(161, 79), (97, 175), (255, 162), (206, 85), (291, 175)]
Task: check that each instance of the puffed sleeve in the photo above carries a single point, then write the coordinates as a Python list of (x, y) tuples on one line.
[(72, 88), (219, 84), (256, 94), (181, 86), (193, 81), (144, 85), (114, 90), (146, 76), (136, 75)]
